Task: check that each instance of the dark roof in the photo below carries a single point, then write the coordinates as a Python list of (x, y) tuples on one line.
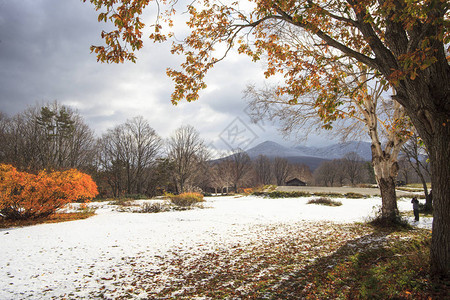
[(293, 180)]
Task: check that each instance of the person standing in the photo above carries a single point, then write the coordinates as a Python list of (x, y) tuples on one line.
[(415, 204)]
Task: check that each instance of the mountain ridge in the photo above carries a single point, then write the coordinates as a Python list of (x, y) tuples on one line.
[(310, 156), (335, 151)]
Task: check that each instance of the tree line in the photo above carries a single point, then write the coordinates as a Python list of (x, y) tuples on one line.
[(128, 159), (132, 159)]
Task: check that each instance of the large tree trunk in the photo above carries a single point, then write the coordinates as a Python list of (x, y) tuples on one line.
[(385, 174), (440, 182), (427, 101), (389, 210), (384, 161), (433, 125)]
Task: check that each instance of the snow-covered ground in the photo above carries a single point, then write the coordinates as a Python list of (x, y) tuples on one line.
[(75, 259)]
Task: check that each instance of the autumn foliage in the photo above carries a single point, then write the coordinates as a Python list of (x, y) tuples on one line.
[(185, 199), (25, 196)]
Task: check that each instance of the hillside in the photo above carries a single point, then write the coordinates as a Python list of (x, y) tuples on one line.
[(337, 151), (310, 156)]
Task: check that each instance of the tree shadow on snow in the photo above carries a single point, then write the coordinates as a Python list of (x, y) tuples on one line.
[(365, 268)]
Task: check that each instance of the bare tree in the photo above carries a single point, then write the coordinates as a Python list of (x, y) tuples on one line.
[(51, 136), (353, 166), (263, 170), (281, 170), (23, 142), (329, 173), (241, 165), (160, 179), (220, 176), (187, 151), (415, 152), (224, 175), (145, 148), (127, 154), (3, 135), (405, 169)]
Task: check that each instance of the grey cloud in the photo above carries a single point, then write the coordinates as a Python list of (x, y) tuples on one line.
[(45, 56)]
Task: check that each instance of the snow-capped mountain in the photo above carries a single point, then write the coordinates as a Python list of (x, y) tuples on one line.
[(272, 149), (310, 156), (337, 151)]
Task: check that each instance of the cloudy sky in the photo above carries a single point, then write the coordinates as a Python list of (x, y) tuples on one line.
[(45, 56)]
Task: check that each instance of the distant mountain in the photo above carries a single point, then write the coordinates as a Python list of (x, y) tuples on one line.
[(272, 149), (337, 151), (310, 156), (293, 155)]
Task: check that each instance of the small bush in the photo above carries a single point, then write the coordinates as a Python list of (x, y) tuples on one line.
[(248, 191), (259, 193), (185, 199), (85, 209), (270, 187), (280, 194), (398, 223), (154, 207), (332, 195), (122, 202), (325, 201), (355, 195), (245, 191), (258, 189)]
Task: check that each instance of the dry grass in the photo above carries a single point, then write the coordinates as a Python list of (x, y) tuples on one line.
[(54, 218), (185, 199), (325, 201)]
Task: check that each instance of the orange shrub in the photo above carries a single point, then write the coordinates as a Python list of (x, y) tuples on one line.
[(248, 191), (185, 199), (24, 195)]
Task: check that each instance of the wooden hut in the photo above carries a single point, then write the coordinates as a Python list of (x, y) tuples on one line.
[(295, 182)]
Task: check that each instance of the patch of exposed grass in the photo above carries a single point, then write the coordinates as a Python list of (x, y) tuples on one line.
[(331, 195), (298, 194), (352, 195), (325, 201), (410, 196), (395, 269), (410, 213), (406, 189), (281, 194), (270, 188), (54, 218)]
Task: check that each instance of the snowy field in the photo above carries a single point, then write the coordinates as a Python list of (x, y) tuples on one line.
[(78, 259)]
